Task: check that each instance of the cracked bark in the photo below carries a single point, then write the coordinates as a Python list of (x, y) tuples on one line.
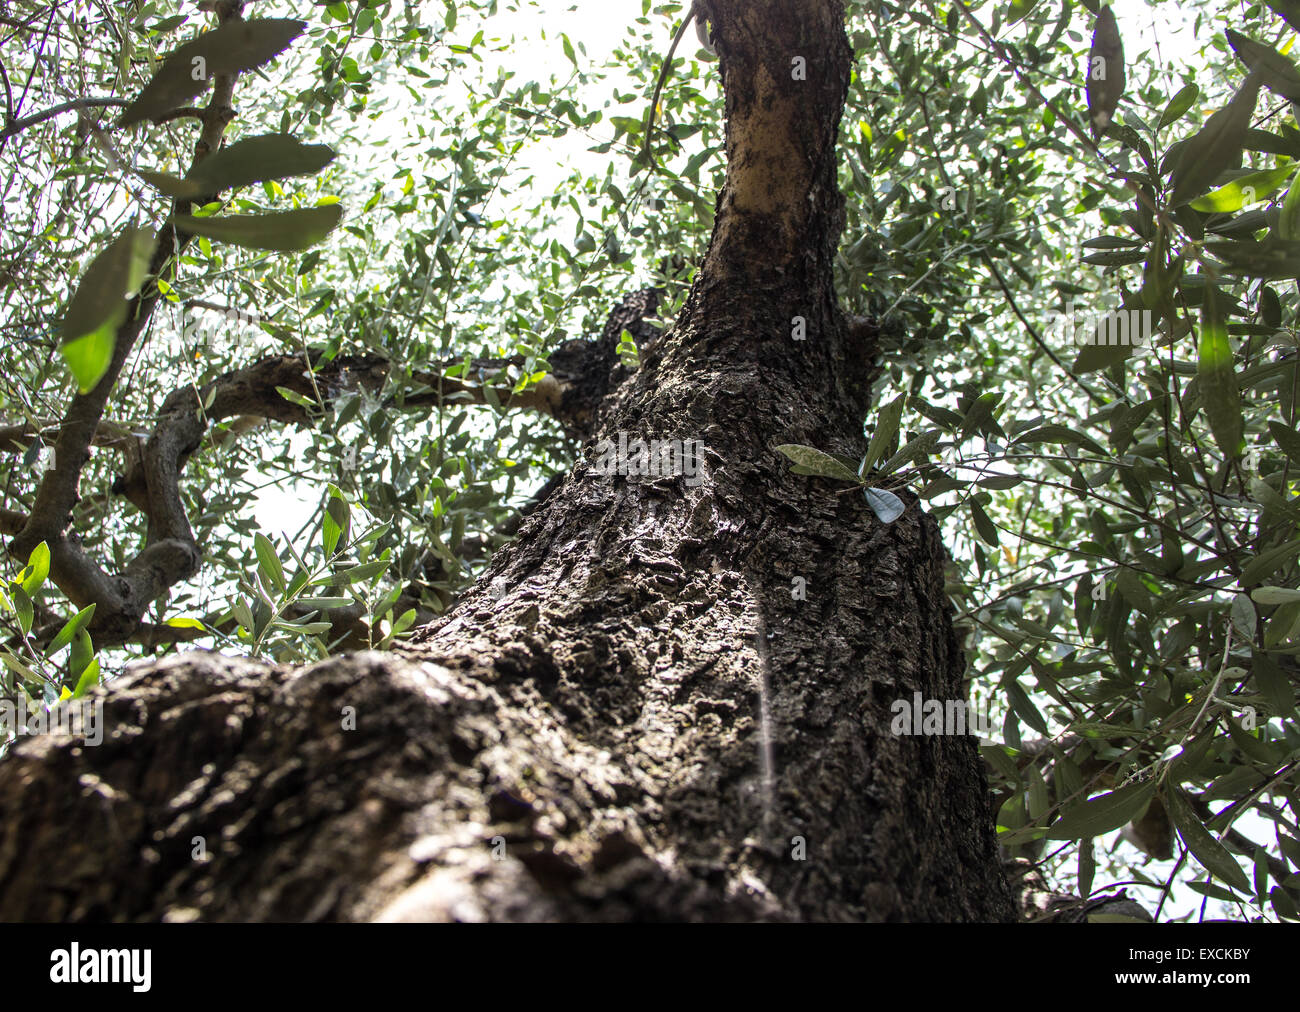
[(584, 735)]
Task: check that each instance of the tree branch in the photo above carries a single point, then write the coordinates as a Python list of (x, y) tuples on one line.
[(169, 549), (18, 126)]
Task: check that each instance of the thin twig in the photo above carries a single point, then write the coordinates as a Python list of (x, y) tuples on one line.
[(18, 126)]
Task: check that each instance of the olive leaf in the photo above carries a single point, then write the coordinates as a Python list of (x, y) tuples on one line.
[(1103, 814), (812, 461), (1217, 146), (1217, 380), (883, 436), (283, 231), (101, 303), (1288, 10), (1105, 71), (1275, 71), (1245, 190), (1178, 105), (887, 506), (234, 47), (252, 160), (1209, 851), (1288, 223)]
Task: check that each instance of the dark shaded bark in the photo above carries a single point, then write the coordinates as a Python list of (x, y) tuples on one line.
[(632, 715)]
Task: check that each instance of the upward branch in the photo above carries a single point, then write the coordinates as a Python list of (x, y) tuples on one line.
[(121, 599)]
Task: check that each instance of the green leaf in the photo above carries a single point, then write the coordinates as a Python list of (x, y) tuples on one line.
[(914, 449), (983, 525), (404, 622), (1178, 105), (1206, 849), (252, 160), (1115, 259), (1100, 356), (101, 303), (88, 680), (32, 578), (1243, 618), (362, 572), (1218, 381), (1273, 683), (1039, 799), (325, 603), (1260, 875), (306, 628), (283, 231), (1105, 82), (243, 614), (18, 667), (1274, 70), (1266, 563), (1019, 10), (999, 757), (885, 433), (293, 397), (979, 416), (1283, 624), (235, 46), (1061, 435), (74, 625), (1287, 439), (1103, 814), (1024, 706), (81, 654), (1274, 595), (1217, 146), (816, 463), (1273, 257), (23, 609), (1288, 10), (268, 562), (1087, 867), (1245, 190), (335, 523)]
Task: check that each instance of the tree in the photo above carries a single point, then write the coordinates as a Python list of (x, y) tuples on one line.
[(670, 685), (633, 704)]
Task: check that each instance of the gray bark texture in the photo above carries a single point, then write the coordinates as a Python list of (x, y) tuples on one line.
[(631, 716)]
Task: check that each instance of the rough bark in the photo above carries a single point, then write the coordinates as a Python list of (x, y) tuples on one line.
[(632, 716)]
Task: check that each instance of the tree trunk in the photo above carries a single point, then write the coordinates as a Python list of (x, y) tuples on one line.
[(635, 714)]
